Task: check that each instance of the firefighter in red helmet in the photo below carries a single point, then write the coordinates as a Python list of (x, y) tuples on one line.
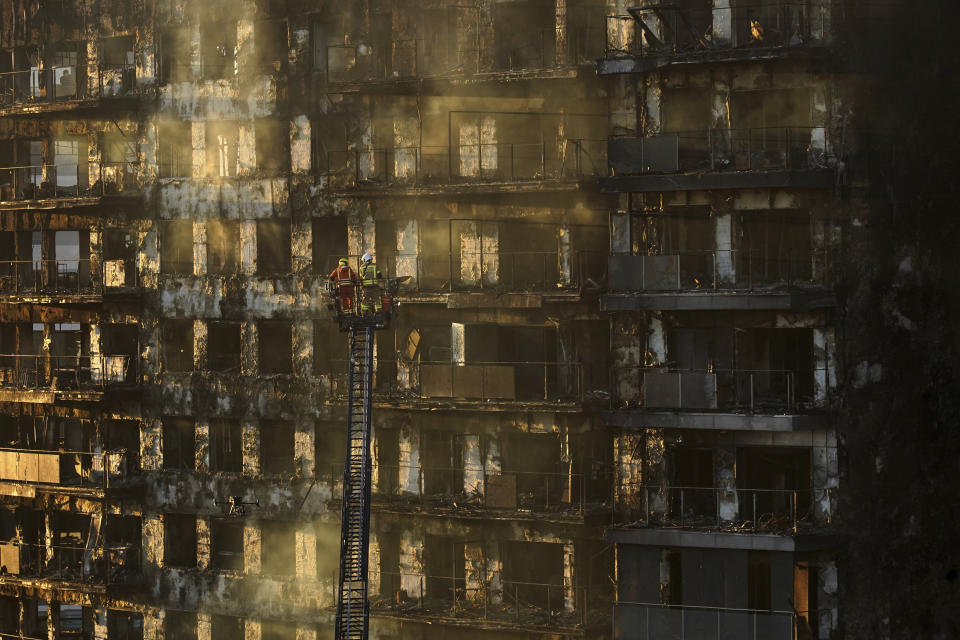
[(344, 282)]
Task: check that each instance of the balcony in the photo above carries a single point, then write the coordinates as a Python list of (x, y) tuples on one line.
[(498, 166), (763, 157), (47, 378), (69, 472), (503, 603), (103, 566), (498, 272), (651, 38), (481, 383), (65, 88), (48, 281), (728, 279), (777, 511), (406, 60), (474, 492), (50, 186), (649, 621)]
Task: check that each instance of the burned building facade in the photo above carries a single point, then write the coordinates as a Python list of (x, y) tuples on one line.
[(610, 390)]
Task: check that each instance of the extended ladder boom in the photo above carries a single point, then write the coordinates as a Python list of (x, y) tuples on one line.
[(352, 607)]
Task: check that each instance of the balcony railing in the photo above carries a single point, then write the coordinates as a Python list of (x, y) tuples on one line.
[(492, 162), (757, 390), (65, 277), (752, 149), (648, 621), (736, 269), (528, 491), (31, 87), (60, 180), (64, 373), (756, 510), (68, 469), (105, 564), (507, 601), (553, 382), (418, 58), (665, 30), (540, 271)]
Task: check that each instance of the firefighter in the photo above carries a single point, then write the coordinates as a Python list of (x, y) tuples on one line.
[(344, 282), (371, 292)]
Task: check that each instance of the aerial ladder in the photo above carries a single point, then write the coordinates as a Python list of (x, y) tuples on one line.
[(361, 314)]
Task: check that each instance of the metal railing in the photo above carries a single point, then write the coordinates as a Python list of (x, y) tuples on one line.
[(465, 163), (735, 509), (744, 149), (650, 621), (419, 58), (65, 277), (505, 601), (554, 382), (68, 469), (723, 389), (64, 373), (103, 564), (666, 30), (29, 87), (734, 269), (542, 271), (60, 180), (506, 490)]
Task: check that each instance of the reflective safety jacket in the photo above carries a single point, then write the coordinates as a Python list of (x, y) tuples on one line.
[(343, 274), (369, 274)]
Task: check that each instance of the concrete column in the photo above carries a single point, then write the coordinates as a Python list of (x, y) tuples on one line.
[(301, 246), (724, 262), (652, 99), (249, 348), (412, 579), (199, 345), (469, 246), (248, 247), (204, 549), (53, 620), (569, 579), (199, 249), (93, 60), (628, 448), (198, 134), (725, 480), (409, 460), (303, 348), (824, 362), (561, 33), (250, 436), (474, 572), (151, 457), (493, 462), (202, 451), (568, 261), (490, 243), (306, 553), (153, 626), (148, 258), (246, 149), (152, 531), (373, 572), (494, 571), (654, 472), (96, 364), (656, 340), (95, 247), (204, 626), (304, 451), (252, 629), (252, 543), (301, 159), (473, 476), (722, 23), (100, 624), (408, 241)]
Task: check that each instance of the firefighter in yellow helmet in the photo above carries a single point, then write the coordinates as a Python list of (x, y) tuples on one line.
[(371, 299)]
